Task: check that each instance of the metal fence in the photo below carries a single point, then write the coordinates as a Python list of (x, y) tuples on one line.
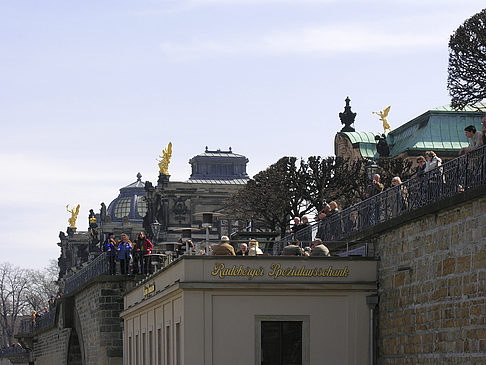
[(12, 350), (337, 248), (452, 178), (99, 266), (41, 321)]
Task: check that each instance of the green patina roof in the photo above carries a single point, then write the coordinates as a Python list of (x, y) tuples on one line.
[(366, 142), (473, 108), (440, 130)]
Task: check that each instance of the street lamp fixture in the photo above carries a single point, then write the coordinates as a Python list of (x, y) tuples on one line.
[(155, 230), (207, 223), (371, 169)]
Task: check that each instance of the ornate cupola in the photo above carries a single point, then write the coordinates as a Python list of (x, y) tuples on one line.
[(130, 203)]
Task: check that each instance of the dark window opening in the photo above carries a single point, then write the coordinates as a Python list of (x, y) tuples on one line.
[(281, 342)]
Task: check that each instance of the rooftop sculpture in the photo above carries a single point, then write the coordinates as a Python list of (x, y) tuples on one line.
[(383, 114), (74, 215), (165, 160)]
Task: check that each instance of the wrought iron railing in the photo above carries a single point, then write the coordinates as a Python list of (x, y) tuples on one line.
[(98, 266), (26, 326), (454, 177), (12, 350), (44, 320), (336, 248)]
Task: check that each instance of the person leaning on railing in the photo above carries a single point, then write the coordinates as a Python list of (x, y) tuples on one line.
[(296, 225), (336, 226), (476, 139), (420, 171), (376, 188), (400, 200)]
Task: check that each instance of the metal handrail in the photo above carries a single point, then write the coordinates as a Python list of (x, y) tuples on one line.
[(12, 350), (99, 266), (47, 319), (453, 177)]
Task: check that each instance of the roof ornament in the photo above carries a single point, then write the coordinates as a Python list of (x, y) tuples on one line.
[(347, 118), (383, 115), (139, 177), (74, 215), (165, 160)]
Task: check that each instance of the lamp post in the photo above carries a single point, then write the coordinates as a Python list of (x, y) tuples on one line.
[(207, 224), (155, 230), (371, 169), (186, 234)]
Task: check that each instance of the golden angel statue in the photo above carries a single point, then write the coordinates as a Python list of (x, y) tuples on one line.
[(383, 116), (165, 160), (74, 215)]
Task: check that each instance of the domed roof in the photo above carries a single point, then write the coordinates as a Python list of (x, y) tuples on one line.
[(130, 203)]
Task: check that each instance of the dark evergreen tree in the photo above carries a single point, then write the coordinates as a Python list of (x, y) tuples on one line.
[(467, 62), (332, 178)]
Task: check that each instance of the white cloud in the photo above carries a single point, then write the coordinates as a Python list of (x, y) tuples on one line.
[(318, 41)]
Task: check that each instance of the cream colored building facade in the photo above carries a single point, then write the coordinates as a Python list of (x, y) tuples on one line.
[(222, 310)]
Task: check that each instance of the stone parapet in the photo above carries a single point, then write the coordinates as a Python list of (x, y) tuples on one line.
[(432, 280)]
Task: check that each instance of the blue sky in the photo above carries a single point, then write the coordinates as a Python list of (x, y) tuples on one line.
[(92, 91)]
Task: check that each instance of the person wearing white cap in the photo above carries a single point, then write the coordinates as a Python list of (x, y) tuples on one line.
[(223, 248)]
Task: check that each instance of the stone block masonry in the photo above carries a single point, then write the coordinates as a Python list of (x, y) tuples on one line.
[(87, 328), (98, 309), (432, 287)]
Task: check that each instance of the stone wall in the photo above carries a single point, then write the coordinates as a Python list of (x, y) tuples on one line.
[(51, 347), (87, 329), (97, 315), (432, 280)]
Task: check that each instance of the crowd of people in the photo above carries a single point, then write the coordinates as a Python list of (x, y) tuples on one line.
[(133, 258), (396, 201), (37, 315), (294, 248)]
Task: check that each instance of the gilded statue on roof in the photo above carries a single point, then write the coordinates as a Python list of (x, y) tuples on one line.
[(383, 115), (74, 215), (165, 160)]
